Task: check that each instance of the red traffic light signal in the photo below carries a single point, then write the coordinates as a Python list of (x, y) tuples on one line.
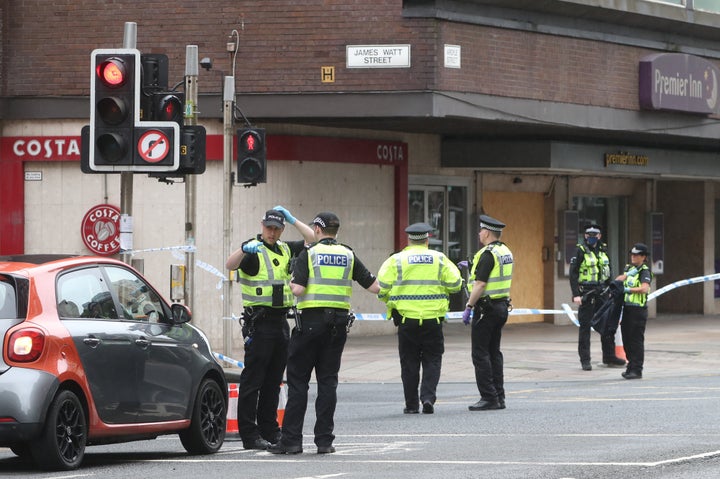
[(251, 151), (113, 72)]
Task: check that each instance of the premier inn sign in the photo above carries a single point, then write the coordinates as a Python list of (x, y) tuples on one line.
[(679, 82)]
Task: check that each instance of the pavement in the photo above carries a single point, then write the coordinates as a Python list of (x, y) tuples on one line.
[(675, 345)]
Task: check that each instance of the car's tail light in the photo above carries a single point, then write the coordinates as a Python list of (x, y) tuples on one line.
[(25, 345)]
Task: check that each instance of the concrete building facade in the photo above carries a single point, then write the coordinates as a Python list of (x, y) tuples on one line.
[(545, 114)]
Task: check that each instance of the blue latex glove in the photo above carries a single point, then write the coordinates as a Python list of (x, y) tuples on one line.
[(467, 316), (626, 290), (288, 217), (252, 246), (462, 264)]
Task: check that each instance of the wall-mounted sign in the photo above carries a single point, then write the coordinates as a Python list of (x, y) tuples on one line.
[(452, 56), (377, 56), (627, 159), (678, 82), (100, 230), (657, 243)]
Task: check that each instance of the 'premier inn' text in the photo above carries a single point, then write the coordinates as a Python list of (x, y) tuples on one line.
[(678, 86)]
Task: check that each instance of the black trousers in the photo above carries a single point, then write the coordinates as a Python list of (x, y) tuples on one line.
[(259, 389), (634, 321), (317, 347), (587, 309), (420, 346), (486, 355)]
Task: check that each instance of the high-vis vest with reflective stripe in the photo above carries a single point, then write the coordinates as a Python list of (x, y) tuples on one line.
[(635, 299), (330, 279), (417, 282), (595, 267), (498, 284), (257, 290)]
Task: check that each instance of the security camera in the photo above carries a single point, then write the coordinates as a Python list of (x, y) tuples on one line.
[(206, 63)]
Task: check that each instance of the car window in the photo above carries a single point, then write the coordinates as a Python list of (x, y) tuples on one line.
[(138, 300), (84, 294), (8, 308)]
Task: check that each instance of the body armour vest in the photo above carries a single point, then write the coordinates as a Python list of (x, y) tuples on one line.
[(273, 273), (330, 277), (498, 284)]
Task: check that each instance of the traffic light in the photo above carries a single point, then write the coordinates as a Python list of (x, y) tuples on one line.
[(114, 108), (158, 103), (251, 151), (192, 150)]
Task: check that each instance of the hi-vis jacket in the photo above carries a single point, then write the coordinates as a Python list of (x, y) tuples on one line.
[(274, 270), (500, 279), (417, 282), (595, 267), (634, 277), (330, 277)]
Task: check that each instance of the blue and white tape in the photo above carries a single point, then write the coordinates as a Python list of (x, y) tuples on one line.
[(228, 360)]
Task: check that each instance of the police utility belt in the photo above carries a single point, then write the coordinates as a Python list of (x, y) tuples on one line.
[(591, 287), (333, 318), (484, 303)]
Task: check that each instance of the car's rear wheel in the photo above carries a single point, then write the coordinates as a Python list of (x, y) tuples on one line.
[(61, 445), (207, 428)]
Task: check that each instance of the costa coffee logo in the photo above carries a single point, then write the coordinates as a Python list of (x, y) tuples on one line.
[(101, 230)]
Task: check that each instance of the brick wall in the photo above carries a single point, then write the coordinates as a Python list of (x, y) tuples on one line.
[(543, 67), (284, 44)]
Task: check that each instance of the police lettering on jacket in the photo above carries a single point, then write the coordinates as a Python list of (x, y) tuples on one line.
[(420, 259), (332, 260)]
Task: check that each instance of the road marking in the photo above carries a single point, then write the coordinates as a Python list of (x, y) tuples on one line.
[(276, 459)]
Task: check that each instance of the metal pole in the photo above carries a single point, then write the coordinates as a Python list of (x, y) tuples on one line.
[(228, 103), (126, 177), (191, 99)]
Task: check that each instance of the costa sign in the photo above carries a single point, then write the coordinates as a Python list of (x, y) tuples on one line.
[(100, 230)]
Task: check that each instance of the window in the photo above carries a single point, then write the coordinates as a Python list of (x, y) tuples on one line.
[(138, 300), (444, 207), (707, 5), (84, 294), (611, 215), (8, 308)]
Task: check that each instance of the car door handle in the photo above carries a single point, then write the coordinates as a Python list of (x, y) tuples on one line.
[(142, 342), (92, 342)]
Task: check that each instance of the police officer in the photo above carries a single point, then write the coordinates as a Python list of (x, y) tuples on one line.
[(487, 308), (322, 281), (589, 275), (636, 281), (416, 284), (263, 265)]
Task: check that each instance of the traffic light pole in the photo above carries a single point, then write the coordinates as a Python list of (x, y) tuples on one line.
[(228, 115), (126, 177), (191, 99)]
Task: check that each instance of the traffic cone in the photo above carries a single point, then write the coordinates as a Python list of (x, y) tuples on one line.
[(232, 422), (281, 403), (619, 348)]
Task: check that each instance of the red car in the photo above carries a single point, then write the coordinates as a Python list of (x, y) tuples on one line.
[(92, 354)]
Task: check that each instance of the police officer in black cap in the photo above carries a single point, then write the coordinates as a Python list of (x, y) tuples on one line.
[(322, 281), (487, 308), (589, 276), (636, 282), (263, 264), (416, 283)]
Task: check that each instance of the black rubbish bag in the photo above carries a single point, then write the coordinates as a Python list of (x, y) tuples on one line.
[(605, 321)]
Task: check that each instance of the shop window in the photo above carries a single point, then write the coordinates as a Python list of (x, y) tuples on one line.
[(610, 214), (445, 209)]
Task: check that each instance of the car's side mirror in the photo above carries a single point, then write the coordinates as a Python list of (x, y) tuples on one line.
[(180, 313)]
